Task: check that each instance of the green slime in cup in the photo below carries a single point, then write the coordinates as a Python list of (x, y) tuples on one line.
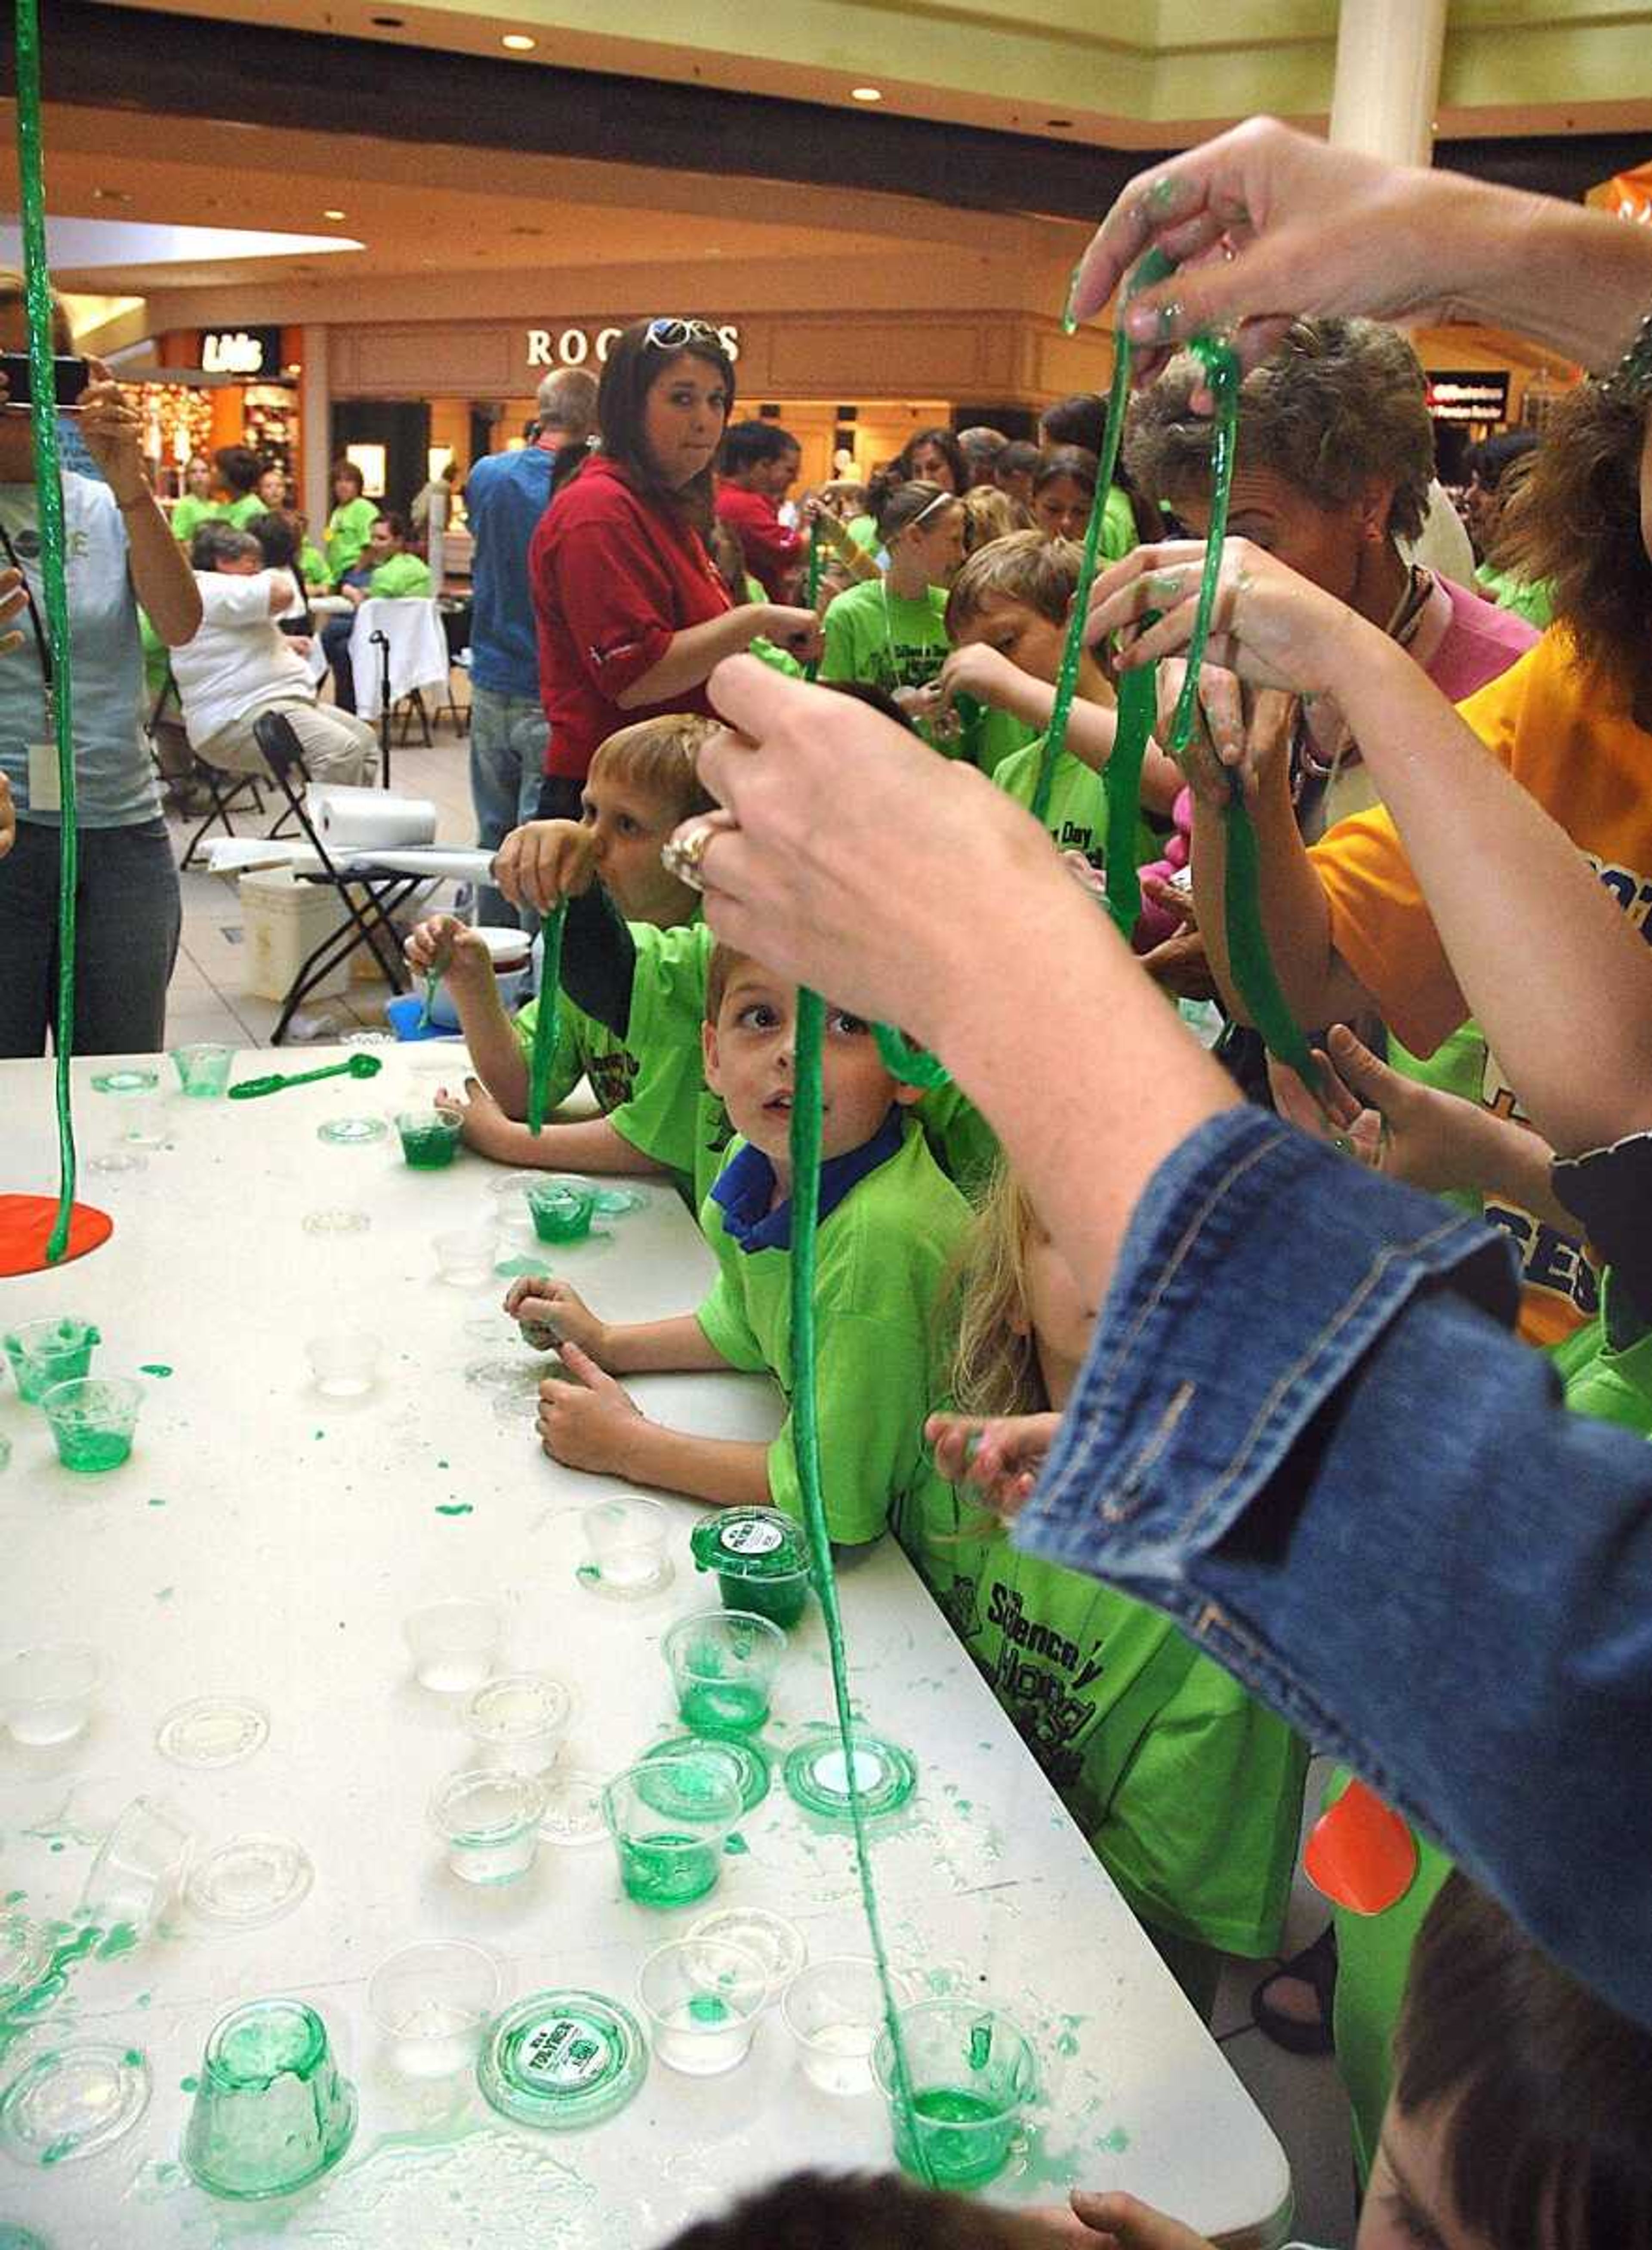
[(965, 2158), (429, 1148), (666, 1870), (713, 1707)]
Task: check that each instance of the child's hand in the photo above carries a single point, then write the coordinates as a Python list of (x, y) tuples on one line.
[(483, 1124), (444, 946), (1001, 1457), (1089, 878), (13, 600), (1116, 2222), (541, 1303), (1180, 962), (980, 671), (587, 1424), (546, 861), (8, 817), (1417, 1134)]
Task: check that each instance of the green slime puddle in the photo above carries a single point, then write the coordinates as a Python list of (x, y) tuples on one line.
[(22, 2009)]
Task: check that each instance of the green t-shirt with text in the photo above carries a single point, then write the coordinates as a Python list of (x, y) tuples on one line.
[(876, 635), (1078, 814), (882, 1256), (1188, 1791)]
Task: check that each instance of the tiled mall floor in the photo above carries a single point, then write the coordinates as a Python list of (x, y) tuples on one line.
[(1301, 2098)]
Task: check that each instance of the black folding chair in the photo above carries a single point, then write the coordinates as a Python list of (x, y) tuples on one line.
[(369, 899)]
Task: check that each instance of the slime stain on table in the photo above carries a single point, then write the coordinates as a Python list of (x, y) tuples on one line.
[(157, 1367), (458, 1507)]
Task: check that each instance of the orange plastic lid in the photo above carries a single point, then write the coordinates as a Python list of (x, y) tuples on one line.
[(25, 1229), (1361, 1854)]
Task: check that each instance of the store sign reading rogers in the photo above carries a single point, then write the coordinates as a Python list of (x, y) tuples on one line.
[(591, 347)]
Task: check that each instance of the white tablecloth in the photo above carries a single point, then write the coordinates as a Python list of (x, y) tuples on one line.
[(264, 1541)]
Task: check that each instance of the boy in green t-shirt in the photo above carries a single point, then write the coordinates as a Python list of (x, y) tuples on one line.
[(646, 1078), (350, 525), (890, 1223), (1007, 616)]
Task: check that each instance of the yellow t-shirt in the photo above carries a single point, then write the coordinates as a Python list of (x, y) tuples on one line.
[(1574, 748)]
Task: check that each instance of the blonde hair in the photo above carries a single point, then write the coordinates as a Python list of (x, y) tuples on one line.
[(989, 513), (725, 959), (1025, 567), (660, 756), (995, 1368), (14, 291)]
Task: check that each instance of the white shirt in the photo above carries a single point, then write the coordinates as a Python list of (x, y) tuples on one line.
[(240, 663)]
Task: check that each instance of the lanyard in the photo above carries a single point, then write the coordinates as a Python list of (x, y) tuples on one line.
[(42, 640)]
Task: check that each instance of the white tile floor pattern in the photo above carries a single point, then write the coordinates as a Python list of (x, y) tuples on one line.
[(1301, 2097)]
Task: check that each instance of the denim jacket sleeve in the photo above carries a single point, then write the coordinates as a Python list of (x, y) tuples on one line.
[(1303, 1432)]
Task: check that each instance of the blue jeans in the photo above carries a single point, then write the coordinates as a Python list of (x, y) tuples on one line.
[(128, 918), (508, 738), (1303, 1432)]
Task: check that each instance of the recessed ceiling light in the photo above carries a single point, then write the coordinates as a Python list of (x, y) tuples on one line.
[(866, 94), (332, 214), (1058, 124), (388, 22), (110, 196), (519, 43)]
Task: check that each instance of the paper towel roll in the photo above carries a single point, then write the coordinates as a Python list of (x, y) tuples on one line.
[(351, 818)]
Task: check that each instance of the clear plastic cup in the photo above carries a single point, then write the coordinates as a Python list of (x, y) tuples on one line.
[(703, 1998), (626, 1538), (139, 1868), (46, 1352), (669, 1818), (562, 1207), (430, 1138), (779, 1945), (453, 1644), (46, 1694), (834, 2010), (203, 1069), (430, 2002), (92, 1420), (723, 1664), (518, 1720), (135, 1097), (488, 1818), (344, 1363), (973, 2074), (465, 1257), (272, 2110)]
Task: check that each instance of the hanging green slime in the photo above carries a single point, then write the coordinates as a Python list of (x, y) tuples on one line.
[(1247, 955), (49, 488), (545, 1020), (806, 1440)]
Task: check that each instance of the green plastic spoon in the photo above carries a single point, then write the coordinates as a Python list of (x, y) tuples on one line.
[(359, 1066)]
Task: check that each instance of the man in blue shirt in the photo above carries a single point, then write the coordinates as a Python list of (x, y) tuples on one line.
[(505, 497)]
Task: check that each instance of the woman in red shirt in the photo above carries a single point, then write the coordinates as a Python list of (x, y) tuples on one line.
[(631, 613)]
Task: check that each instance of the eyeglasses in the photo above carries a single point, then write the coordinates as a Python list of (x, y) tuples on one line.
[(672, 335)]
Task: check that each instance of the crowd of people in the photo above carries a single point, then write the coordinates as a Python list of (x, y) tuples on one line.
[(1227, 1349)]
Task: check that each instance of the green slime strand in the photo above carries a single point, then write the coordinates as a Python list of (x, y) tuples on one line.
[(49, 488), (806, 1440), (545, 1022), (1248, 957), (1122, 792), (816, 558)]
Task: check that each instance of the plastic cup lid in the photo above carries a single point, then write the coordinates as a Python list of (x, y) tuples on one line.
[(779, 1945), (561, 2060), (519, 1707), (750, 1542), (74, 2102), (125, 1081), (816, 1774), (25, 1955), (249, 1880), (745, 1763), (212, 1731), (351, 1132)]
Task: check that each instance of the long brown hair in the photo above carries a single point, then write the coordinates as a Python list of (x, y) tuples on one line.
[(633, 365), (1575, 519)]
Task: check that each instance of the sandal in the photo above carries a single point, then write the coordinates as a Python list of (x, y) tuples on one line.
[(1314, 1965)]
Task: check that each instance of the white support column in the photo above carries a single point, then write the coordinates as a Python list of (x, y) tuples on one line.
[(1388, 54), (315, 410)]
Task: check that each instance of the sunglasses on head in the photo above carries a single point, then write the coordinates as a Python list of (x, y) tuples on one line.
[(672, 335)]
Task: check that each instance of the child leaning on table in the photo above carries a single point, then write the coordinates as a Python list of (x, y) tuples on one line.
[(890, 1222), (641, 784), (1189, 1792)]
